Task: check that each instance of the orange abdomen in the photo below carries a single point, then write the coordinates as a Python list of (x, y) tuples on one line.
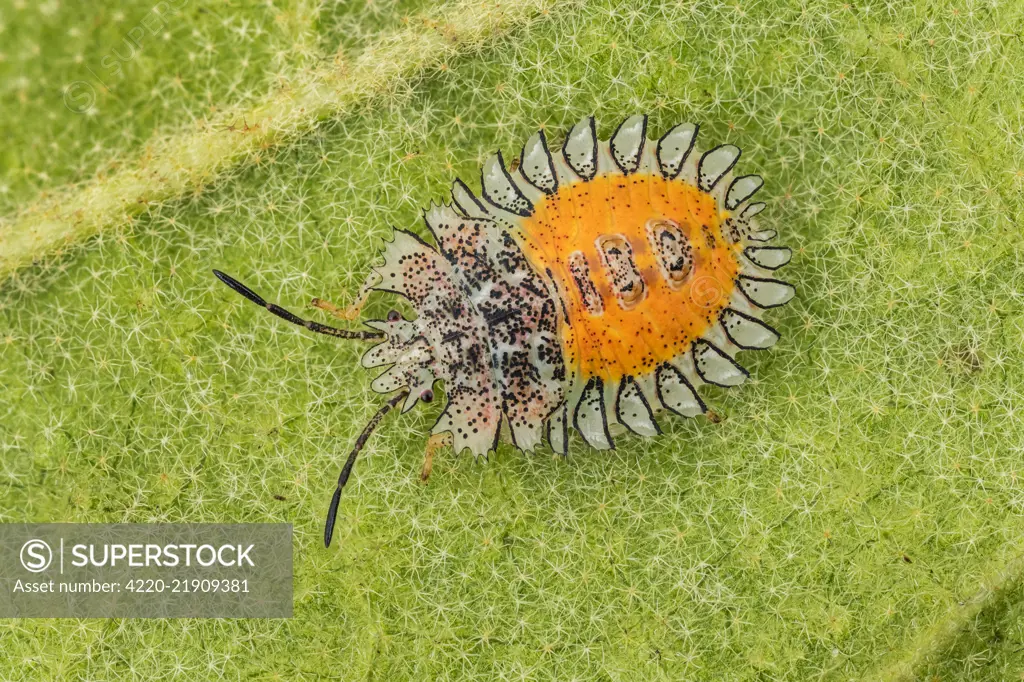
[(641, 267)]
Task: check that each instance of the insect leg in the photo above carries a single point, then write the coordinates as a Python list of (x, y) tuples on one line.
[(350, 312), (434, 443), (284, 314)]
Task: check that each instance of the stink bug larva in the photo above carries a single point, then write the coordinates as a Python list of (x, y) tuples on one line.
[(590, 288)]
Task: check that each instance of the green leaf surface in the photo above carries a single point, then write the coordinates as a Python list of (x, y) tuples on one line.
[(856, 514)]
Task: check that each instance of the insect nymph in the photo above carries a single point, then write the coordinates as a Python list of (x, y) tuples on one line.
[(589, 288)]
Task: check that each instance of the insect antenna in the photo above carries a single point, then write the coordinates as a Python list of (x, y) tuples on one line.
[(332, 511), (295, 319)]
